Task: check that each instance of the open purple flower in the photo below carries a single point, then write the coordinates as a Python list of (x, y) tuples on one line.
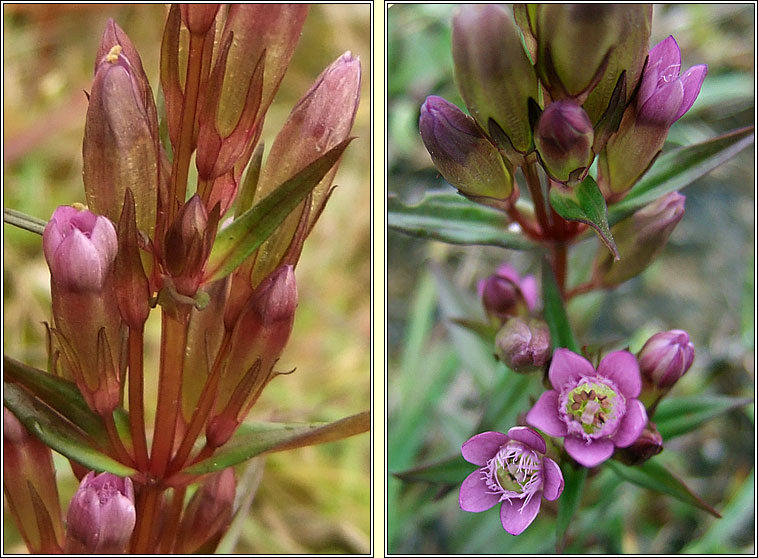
[(513, 470), (664, 95), (595, 410)]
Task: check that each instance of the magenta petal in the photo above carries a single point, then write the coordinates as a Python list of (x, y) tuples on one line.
[(567, 366), (692, 81), (474, 495), (77, 263), (665, 54), (515, 519), (529, 437), (552, 482), (621, 367), (631, 425), (544, 415), (483, 447), (505, 270), (590, 454), (530, 291), (663, 105)]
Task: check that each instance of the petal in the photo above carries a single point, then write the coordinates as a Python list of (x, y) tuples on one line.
[(77, 264), (552, 483), (515, 519), (530, 291), (663, 105), (631, 425), (590, 454), (566, 366), (665, 54), (474, 495), (529, 437), (508, 272), (622, 368), (544, 415), (483, 447), (692, 80)]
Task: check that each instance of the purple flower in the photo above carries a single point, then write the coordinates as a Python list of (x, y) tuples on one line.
[(595, 410), (504, 291), (513, 470), (665, 357), (101, 516), (664, 95), (79, 248)]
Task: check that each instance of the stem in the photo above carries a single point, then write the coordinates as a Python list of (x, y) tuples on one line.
[(204, 406), (535, 189), (147, 505), (136, 397), (559, 266), (118, 446), (587, 287), (171, 528), (174, 341), (527, 226), (180, 167)]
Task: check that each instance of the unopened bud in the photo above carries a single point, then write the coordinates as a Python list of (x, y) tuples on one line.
[(640, 238), (198, 18), (563, 138), (666, 357), (505, 293), (649, 444), (494, 74), (523, 344), (464, 157), (188, 243), (208, 514), (101, 516)]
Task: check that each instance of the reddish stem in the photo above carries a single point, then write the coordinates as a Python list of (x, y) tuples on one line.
[(171, 528), (526, 225), (136, 397), (559, 265), (538, 199), (147, 506), (118, 446)]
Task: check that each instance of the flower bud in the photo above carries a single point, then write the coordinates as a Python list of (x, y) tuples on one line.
[(505, 293), (198, 18), (639, 238), (523, 344), (121, 142), (321, 120), (257, 341), (663, 97), (188, 243), (666, 357), (563, 138), (494, 74), (30, 489), (207, 515), (464, 157), (101, 516), (649, 444)]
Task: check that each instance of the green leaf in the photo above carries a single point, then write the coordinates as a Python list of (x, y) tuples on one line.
[(57, 433), (585, 203), (678, 415), (23, 221), (554, 311), (573, 488), (57, 393), (679, 168), (240, 239), (655, 476), (253, 439), (452, 470), (454, 219)]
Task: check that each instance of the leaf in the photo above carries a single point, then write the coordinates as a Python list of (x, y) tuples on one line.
[(58, 434), (574, 479), (240, 239), (555, 313), (654, 476), (253, 439), (452, 470), (454, 219), (585, 203), (678, 415), (59, 394), (23, 221), (678, 168)]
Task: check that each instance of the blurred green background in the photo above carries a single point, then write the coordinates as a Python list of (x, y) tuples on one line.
[(312, 500), (440, 375)]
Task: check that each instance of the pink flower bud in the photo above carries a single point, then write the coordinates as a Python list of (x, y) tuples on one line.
[(79, 248), (461, 153), (198, 18), (649, 444), (101, 516), (563, 137), (666, 357), (523, 345), (188, 243), (208, 514), (505, 293)]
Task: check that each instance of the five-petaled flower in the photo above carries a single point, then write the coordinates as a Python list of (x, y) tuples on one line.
[(595, 410), (512, 470)]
